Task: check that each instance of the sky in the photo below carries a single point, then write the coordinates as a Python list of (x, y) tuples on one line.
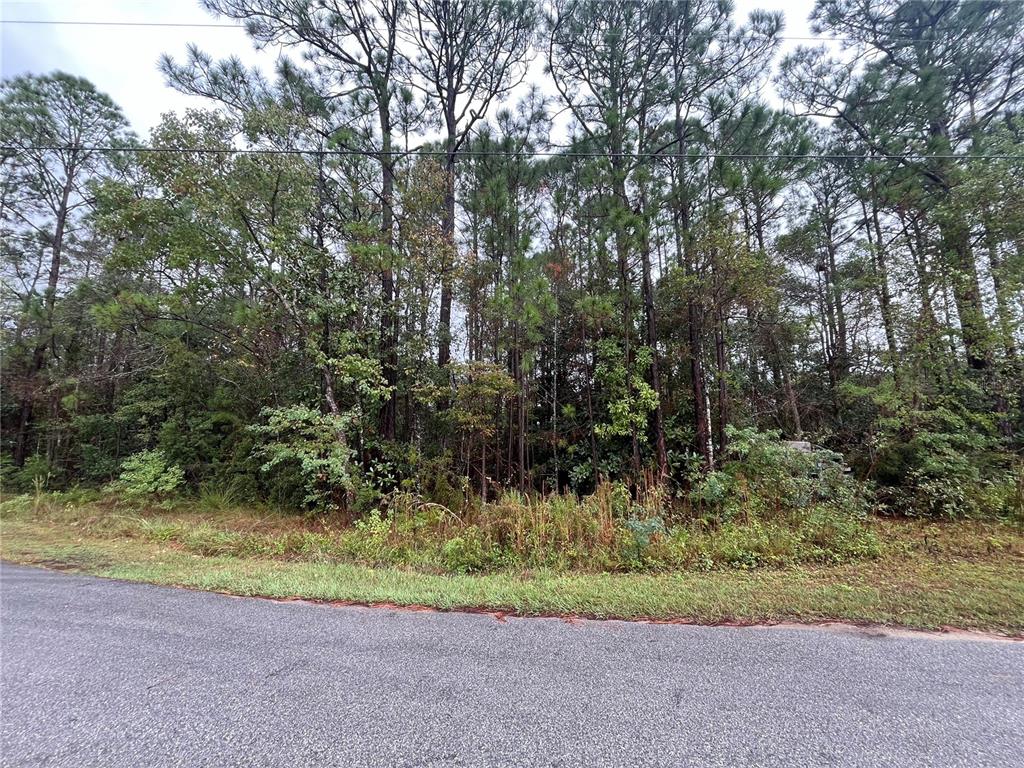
[(122, 61)]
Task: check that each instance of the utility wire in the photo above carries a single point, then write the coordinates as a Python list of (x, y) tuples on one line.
[(12, 149), (89, 23), (222, 25), (216, 25)]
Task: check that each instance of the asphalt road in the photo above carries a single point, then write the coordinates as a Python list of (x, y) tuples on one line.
[(105, 673)]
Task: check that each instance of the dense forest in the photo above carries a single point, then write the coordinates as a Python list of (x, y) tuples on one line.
[(456, 250)]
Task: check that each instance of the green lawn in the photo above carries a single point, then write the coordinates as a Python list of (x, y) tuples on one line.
[(963, 575)]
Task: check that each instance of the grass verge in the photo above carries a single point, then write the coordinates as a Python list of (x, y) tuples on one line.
[(963, 575)]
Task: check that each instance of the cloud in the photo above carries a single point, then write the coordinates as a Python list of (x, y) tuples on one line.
[(121, 61)]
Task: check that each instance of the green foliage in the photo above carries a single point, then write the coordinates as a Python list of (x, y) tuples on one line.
[(764, 477), (1014, 493), (148, 474), (313, 446), (823, 535), (437, 482), (469, 551), (630, 397), (607, 530), (939, 461), (216, 496), (773, 504), (372, 539), (480, 387), (399, 339), (97, 438), (37, 473), (643, 533)]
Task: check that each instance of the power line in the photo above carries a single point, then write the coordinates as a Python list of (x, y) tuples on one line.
[(216, 25), (224, 25), (221, 25), (89, 23), (11, 149)]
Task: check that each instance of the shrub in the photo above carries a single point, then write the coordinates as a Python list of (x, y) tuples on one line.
[(148, 474), (312, 444), (762, 477), (439, 483), (939, 459), (36, 475), (642, 532), (370, 541), (1013, 490), (943, 474), (469, 551), (828, 535), (96, 439)]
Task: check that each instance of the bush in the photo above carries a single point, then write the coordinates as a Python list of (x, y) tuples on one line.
[(469, 551), (371, 540), (438, 482), (148, 474), (643, 532), (941, 463), (764, 478), (1013, 490), (830, 536), (96, 439), (35, 476), (308, 444)]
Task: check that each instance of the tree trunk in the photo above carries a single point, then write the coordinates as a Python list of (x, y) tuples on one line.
[(837, 302), (722, 364), (46, 337), (1003, 311), (444, 341), (967, 295), (702, 418), (871, 221), (681, 225), (929, 325), (622, 258), (389, 315), (959, 256), (651, 326)]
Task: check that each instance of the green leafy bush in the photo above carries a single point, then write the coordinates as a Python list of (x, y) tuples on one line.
[(313, 445), (941, 462), (469, 551), (37, 474), (643, 532), (148, 474), (371, 540), (764, 477)]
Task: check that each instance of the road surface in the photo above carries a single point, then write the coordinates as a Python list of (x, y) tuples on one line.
[(105, 673)]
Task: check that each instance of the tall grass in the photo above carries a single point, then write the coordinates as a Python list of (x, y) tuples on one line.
[(609, 530)]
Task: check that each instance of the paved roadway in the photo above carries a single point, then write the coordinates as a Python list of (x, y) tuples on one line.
[(105, 673)]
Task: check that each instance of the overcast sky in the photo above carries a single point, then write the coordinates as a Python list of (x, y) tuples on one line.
[(122, 61)]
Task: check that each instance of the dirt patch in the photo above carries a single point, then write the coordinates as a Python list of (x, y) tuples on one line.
[(70, 564)]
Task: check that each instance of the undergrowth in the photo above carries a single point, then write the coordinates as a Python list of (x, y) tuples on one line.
[(606, 531)]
